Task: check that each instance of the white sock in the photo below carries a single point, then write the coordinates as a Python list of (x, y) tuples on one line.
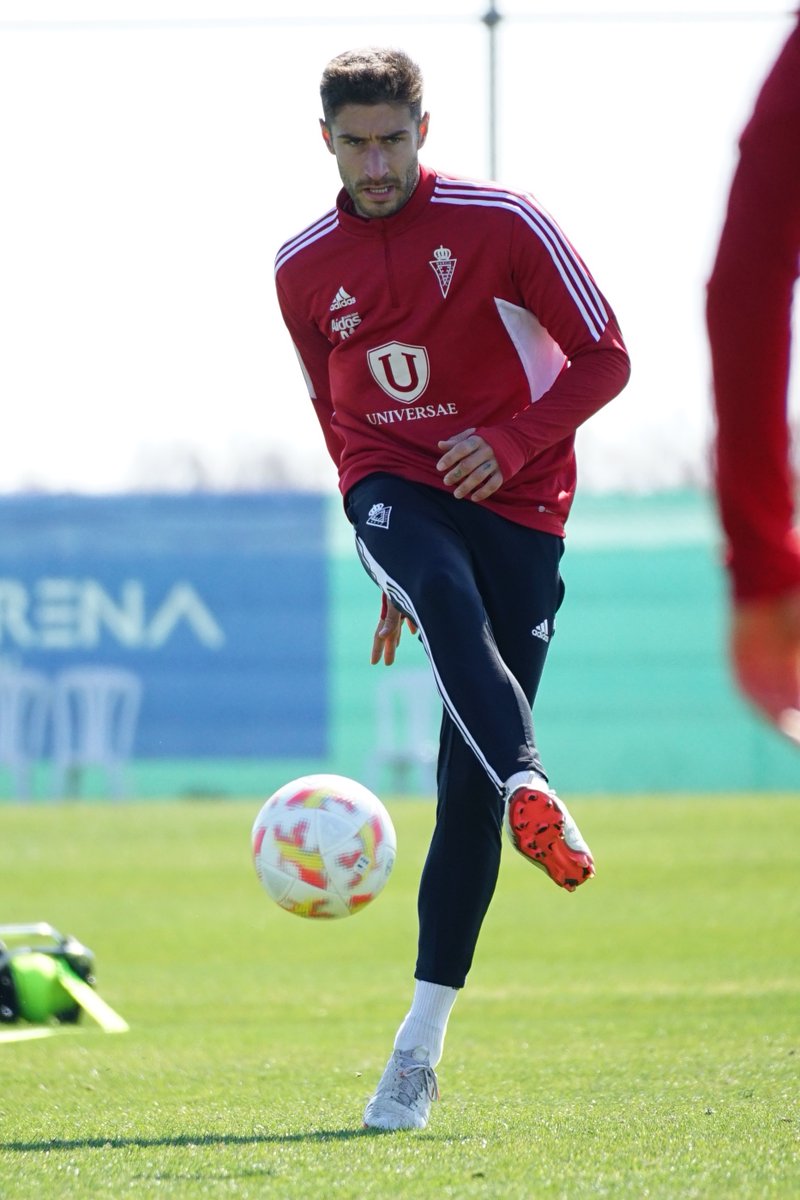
[(425, 1023), (525, 779)]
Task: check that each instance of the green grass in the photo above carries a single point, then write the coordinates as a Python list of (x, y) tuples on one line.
[(638, 1039)]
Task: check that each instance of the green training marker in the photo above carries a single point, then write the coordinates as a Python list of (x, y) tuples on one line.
[(41, 995), (48, 989)]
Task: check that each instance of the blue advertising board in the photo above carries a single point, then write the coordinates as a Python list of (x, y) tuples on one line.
[(218, 603)]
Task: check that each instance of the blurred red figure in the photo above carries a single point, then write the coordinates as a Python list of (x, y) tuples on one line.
[(749, 315)]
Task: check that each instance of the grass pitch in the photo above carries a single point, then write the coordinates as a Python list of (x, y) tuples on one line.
[(640, 1038)]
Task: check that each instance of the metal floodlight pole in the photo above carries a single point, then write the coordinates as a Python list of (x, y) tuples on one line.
[(491, 19)]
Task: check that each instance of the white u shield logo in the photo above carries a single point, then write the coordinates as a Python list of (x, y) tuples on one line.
[(402, 371)]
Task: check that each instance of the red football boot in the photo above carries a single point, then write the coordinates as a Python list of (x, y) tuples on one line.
[(541, 828)]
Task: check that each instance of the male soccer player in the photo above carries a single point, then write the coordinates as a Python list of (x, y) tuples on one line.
[(452, 342), (749, 311)]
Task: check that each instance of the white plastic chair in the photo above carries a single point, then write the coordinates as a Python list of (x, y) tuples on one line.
[(95, 712), (24, 708), (406, 733)]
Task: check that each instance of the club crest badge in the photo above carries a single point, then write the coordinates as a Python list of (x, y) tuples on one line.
[(379, 515), (443, 266)]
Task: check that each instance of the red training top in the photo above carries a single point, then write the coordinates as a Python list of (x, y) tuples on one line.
[(749, 310), (466, 308)]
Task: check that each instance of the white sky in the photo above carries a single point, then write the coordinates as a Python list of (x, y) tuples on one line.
[(154, 155)]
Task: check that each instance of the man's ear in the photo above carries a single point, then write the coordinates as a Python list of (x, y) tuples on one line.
[(424, 123), (326, 135)]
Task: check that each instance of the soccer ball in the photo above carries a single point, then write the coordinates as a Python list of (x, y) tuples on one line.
[(323, 846)]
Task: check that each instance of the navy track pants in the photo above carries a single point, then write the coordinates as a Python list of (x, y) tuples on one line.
[(483, 592)]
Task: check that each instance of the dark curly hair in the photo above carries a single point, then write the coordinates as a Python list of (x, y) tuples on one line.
[(374, 75)]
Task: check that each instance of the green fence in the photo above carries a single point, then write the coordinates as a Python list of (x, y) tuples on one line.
[(636, 695)]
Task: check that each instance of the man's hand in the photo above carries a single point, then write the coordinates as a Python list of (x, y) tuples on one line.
[(387, 635), (765, 653), (469, 465)]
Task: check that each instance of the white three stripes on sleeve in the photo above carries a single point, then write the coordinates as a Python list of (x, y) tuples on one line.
[(307, 237), (577, 280)]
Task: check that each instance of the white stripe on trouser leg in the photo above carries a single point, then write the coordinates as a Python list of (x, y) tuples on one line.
[(403, 601)]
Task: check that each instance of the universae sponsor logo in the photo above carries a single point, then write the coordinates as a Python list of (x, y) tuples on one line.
[(76, 614), (400, 370), (417, 412)]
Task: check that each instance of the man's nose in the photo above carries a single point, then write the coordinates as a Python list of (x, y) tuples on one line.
[(375, 164)]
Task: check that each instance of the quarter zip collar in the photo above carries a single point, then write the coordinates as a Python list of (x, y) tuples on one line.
[(351, 222)]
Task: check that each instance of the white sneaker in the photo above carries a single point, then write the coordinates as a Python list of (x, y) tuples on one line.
[(403, 1097)]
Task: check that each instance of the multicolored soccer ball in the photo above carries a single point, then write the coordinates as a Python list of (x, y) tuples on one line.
[(323, 846)]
